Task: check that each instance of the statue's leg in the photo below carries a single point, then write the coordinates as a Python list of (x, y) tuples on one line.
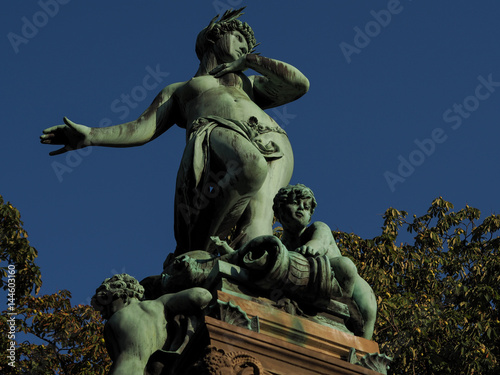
[(235, 173), (258, 216), (367, 303), (346, 274)]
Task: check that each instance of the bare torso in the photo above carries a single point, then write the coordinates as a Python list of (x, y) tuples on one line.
[(230, 96), (318, 236), (133, 334)]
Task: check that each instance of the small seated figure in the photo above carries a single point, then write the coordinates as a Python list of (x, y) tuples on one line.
[(293, 207), (135, 329)]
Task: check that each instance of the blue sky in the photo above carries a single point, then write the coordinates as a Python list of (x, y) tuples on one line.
[(403, 107)]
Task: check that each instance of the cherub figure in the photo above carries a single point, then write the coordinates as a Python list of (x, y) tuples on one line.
[(135, 329), (293, 207)]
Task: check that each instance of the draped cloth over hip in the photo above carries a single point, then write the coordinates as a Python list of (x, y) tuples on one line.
[(197, 181), (196, 158)]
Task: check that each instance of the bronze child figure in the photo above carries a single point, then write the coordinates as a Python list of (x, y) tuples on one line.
[(293, 207)]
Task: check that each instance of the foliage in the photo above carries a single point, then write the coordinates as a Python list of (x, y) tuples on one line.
[(438, 297), (58, 338), (15, 249)]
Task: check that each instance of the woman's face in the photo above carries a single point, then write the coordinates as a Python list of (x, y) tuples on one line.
[(230, 47)]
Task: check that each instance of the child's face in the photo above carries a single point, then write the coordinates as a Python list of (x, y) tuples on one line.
[(297, 214)]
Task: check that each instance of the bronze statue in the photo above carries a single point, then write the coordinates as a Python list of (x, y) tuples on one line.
[(236, 163), (236, 157), (293, 207), (137, 331)]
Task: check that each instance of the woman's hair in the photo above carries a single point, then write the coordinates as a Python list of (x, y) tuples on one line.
[(291, 193), (119, 286), (217, 28)]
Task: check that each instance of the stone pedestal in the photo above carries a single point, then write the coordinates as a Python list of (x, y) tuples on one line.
[(245, 334)]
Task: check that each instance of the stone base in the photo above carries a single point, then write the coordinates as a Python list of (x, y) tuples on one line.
[(228, 349), (244, 334), (298, 331)]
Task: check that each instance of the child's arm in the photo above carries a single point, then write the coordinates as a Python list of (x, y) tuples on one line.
[(319, 242)]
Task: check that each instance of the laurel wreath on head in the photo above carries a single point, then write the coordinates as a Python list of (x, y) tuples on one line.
[(218, 27)]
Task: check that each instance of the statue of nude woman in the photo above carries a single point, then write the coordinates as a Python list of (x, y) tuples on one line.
[(236, 157)]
